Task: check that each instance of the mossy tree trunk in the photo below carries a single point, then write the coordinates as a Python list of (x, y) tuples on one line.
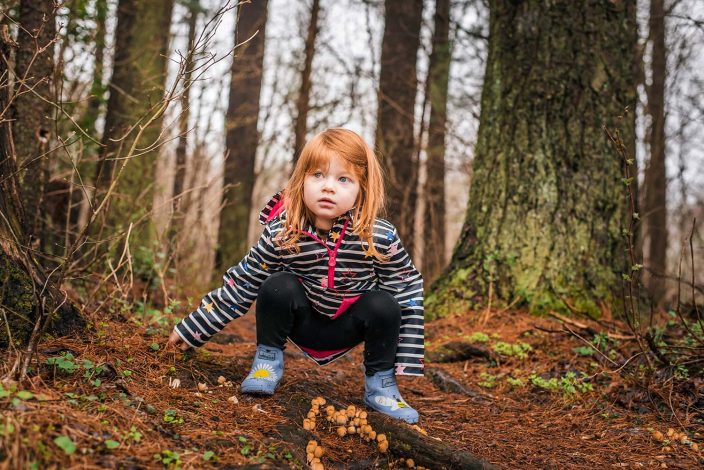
[(547, 204), (29, 301), (396, 114), (241, 135), (136, 98)]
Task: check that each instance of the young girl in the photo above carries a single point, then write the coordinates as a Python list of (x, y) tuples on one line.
[(327, 274)]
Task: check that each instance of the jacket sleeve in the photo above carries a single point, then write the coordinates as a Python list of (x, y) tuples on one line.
[(400, 277), (240, 286)]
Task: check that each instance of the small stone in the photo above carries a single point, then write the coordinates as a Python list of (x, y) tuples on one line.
[(221, 380), (233, 399), (202, 387)]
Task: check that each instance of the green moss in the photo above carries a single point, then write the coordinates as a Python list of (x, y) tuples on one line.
[(19, 307)]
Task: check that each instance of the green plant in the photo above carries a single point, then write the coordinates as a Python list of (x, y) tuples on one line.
[(66, 444), (111, 444), (488, 380), (132, 434), (516, 383), (584, 351), (569, 384), (519, 349), (170, 417), (169, 459), (65, 363), (477, 337)]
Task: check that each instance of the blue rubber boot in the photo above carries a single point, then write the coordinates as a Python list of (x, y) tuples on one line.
[(266, 372), (381, 394)]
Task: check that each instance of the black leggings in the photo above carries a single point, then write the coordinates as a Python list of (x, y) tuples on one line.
[(283, 310)]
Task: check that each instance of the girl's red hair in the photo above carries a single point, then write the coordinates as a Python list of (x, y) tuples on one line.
[(362, 161)]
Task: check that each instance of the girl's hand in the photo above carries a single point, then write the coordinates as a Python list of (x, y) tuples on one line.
[(175, 341)]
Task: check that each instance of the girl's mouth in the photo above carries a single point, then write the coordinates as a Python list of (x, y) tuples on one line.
[(326, 202)]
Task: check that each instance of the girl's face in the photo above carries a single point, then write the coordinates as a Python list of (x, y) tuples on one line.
[(330, 192)]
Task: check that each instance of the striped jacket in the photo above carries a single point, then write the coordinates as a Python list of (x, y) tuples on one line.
[(334, 274)]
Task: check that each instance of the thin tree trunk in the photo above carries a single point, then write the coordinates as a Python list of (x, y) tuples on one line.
[(302, 103), (32, 130), (136, 94), (547, 206), (182, 147), (434, 190), (241, 137), (97, 89), (655, 184), (397, 97)]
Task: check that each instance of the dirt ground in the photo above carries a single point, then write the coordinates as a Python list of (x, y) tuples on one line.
[(109, 403)]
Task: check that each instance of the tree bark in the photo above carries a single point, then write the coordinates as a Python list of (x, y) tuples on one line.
[(241, 137), (136, 96), (182, 147), (97, 89), (434, 191), (547, 205), (32, 109), (27, 296), (395, 118), (655, 184), (302, 103)]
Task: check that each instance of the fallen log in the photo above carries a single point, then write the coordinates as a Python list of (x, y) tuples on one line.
[(404, 441), (456, 351), (447, 383)]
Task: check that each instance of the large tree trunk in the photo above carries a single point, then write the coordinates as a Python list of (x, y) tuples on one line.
[(136, 100), (655, 184), (29, 301), (241, 137), (32, 109), (395, 117), (302, 103), (547, 204), (434, 191)]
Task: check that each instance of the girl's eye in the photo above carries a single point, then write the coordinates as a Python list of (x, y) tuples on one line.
[(344, 179), (318, 174)]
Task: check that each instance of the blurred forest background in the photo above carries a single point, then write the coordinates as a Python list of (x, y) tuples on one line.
[(145, 136), (541, 156)]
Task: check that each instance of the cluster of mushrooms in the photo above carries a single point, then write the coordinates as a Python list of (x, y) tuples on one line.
[(348, 421)]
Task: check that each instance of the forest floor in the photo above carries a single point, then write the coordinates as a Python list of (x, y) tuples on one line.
[(542, 398)]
